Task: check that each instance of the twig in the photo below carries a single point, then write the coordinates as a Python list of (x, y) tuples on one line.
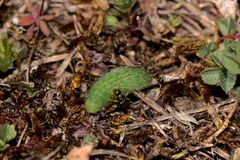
[(141, 95), (22, 134), (58, 34), (208, 142), (36, 63), (150, 102), (224, 126), (160, 130), (66, 62), (51, 154), (41, 9), (168, 116), (111, 152), (29, 61), (226, 37)]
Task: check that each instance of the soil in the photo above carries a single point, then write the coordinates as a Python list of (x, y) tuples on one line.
[(67, 45)]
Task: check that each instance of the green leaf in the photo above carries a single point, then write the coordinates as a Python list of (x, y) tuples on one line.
[(174, 21), (119, 2), (226, 26), (89, 139), (211, 76), (123, 6), (6, 57), (237, 92), (227, 80), (7, 132), (230, 63), (206, 49), (114, 12), (227, 43), (111, 21), (217, 57), (3, 145), (238, 51)]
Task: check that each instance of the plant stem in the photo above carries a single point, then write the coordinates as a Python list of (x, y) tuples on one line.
[(226, 37)]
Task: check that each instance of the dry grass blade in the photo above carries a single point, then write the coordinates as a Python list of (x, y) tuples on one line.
[(65, 63), (36, 64), (205, 19)]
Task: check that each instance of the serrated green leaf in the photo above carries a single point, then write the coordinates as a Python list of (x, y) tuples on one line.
[(230, 63), (226, 26), (206, 49), (227, 80), (217, 57), (6, 57), (211, 76), (7, 132)]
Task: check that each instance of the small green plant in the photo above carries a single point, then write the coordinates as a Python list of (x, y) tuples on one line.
[(225, 58), (124, 79), (121, 6), (89, 139), (174, 21), (118, 8), (7, 133), (9, 51), (30, 90), (6, 53)]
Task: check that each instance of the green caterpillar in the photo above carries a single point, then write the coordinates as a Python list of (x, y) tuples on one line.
[(124, 79)]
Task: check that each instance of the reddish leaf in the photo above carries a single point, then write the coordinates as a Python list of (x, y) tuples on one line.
[(27, 21), (30, 31), (44, 28), (36, 11), (47, 17)]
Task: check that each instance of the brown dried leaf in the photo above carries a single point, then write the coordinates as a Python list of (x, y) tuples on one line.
[(36, 10), (146, 6), (44, 28), (54, 44), (185, 117), (47, 17), (96, 27), (79, 153)]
